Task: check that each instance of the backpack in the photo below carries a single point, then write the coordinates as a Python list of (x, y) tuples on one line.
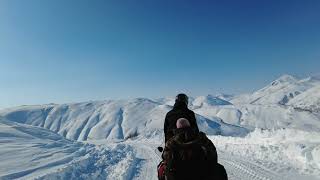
[(187, 160)]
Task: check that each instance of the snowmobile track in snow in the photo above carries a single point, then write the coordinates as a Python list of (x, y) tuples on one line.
[(237, 168), (245, 170)]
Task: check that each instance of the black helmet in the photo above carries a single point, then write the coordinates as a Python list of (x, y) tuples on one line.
[(182, 98)]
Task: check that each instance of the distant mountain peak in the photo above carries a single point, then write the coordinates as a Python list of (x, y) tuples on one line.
[(287, 78), (315, 77), (226, 97), (284, 79), (210, 100)]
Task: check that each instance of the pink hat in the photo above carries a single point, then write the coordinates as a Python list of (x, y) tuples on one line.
[(182, 123)]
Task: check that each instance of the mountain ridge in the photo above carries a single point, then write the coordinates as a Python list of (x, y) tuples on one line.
[(122, 119)]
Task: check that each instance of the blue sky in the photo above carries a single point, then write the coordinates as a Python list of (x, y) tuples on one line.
[(69, 51)]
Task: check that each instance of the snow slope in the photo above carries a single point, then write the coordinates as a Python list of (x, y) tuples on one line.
[(284, 154), (208, 101), (280, 91), (111, 120), (29, 152), (308, 100), (253, 116), (287, 102)]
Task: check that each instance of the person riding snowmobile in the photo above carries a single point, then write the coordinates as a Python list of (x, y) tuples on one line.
[(190, 155), (180, 110)]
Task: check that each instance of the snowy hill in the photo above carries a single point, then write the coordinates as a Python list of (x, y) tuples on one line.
[(123, 119), (226, 97), (263, 116), (280, 91), (209, 100), (111, 120), (308, 100)]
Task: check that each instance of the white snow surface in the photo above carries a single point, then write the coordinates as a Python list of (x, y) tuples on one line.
[(111, 120), (262, 135), (209, 101), (309, 100)]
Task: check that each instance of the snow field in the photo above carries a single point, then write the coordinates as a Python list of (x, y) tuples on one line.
[(288, 152)]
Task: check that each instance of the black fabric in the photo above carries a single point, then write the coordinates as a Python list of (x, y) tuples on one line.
[(180, 110), (220, 173), (191, 155)]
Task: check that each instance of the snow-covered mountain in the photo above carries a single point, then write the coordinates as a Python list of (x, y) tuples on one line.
[(209, 100), (111, 120), (116, 138), (285, 103), (279, 91), (308, 100), (226, 97)]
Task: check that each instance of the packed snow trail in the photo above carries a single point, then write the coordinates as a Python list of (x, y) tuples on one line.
[(144, 164), (238, 169), (139, 162)]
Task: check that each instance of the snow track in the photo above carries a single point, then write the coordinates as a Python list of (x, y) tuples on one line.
[(137, 161), (28, 152), (238, 169), (148, 162)]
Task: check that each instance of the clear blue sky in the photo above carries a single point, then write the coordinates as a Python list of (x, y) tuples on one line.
[(68, 51)]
